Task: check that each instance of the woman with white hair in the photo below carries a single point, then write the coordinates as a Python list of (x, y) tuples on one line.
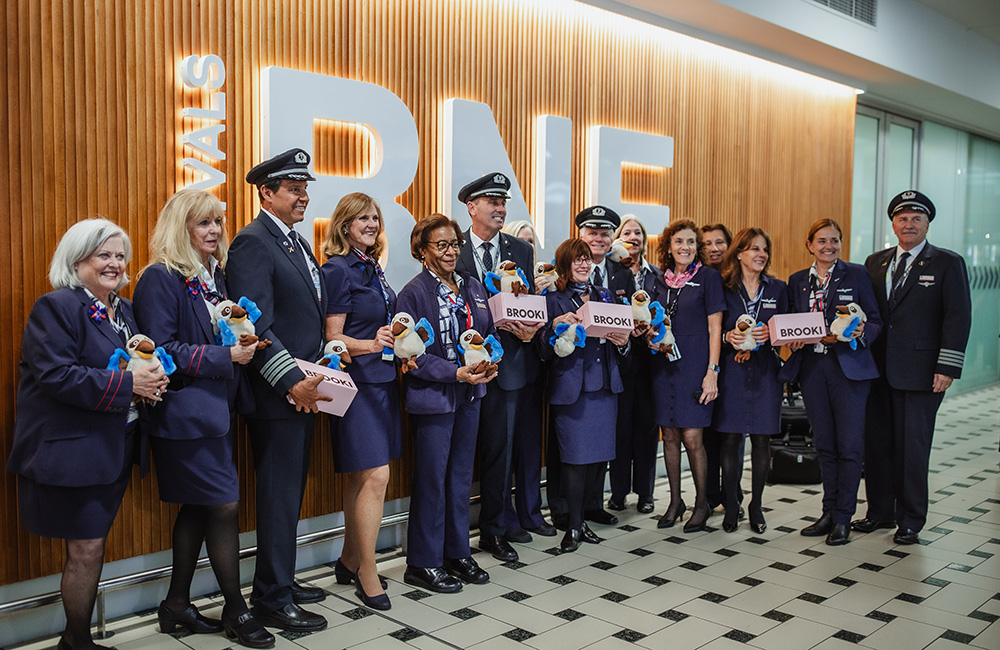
[(191, 433), (75, 436)]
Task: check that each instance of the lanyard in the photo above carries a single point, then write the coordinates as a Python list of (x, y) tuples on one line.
[(752, 307)]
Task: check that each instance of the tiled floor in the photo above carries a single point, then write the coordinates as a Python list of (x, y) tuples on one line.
[(652, 588)]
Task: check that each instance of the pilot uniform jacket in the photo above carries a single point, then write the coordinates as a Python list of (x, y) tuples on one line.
[(927, 331), (265, 267), (848, 284), (71, 411), (433, 387), (197, 403)]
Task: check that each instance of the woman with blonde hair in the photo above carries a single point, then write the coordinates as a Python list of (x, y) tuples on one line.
[(360, 306), (192, 431)]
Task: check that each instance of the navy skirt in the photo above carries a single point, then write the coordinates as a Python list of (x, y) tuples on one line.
[(200, 471), (370, 433), (75, 512), (586, 429), (675, 384)]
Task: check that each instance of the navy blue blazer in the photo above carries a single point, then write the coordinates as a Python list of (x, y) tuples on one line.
[(71, 412), (566, 374), (928, 330), (433, 387), (521, 365), (849, 283), (198, 402), (265, 268)]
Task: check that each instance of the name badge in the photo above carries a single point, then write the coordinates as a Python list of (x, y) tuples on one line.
[(480, 303), (846, 296), (926, 278), (769, 303)]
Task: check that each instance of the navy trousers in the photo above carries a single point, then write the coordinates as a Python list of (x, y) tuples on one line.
[(444, 448), (835, 406), (897, 453), (281, 451), (525, 509), (636, 438)]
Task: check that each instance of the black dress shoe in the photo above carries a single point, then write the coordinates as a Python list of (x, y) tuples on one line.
[(498, 547), (247, 631), (187, 618), (517, 536), (570, 541), (379, 602), (545, 530), (758, 527), (466, 570), (730, 522), (589, 536), (616, 504), (303, 595), (668, 519), (291, 618), (64, 645), (432, 579), (561, 522), (867, 525), (839, 535), (600, 516), (345, 576), (820, 527), (645, 506), (905, 536)]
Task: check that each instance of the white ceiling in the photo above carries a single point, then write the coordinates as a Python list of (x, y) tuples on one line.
[(981, 16)]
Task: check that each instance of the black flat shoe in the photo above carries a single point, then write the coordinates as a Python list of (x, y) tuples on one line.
[(345, 576), (616, 504), (466, 570), (589, 536), (434, 579), (188, 618), (304, 595), (247, 631), (545, 530), (820, 527), (906, 536), (644, 506), (517, 536), (839, 535), (291, 618), (379, 602), (600, 516), (570, 541), (498, 547), (696, 523), (64, 645), (668, 520), (867, 525)]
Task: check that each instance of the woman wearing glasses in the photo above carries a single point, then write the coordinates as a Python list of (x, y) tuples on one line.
[(443, 398)]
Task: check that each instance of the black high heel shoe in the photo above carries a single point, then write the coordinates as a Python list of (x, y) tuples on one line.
[(379, 602), (345, 576), (757, 523), (188, 618), (697, 521), (247, 631), (667, 521), (731, 521)]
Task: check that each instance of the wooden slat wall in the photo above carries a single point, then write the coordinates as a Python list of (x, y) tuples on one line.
[(91, 124)]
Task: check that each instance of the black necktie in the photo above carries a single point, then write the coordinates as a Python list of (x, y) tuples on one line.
[(598, 277), (487, 258), (897, 278)]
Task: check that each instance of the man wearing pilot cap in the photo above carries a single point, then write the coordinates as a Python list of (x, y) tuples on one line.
[(923, 296), (273, 266)]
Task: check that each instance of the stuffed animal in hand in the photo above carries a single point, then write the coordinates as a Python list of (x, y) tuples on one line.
[(508, 279), (844, 325), (619, 250), (545, 276), (663, 337), (141, 352), (233, 323), (566, 338), (482, 354), (744, 325), (644, 312), (412, 339), (335, 355)]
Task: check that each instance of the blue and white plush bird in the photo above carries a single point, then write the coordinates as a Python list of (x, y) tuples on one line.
[(645, 312), (847, 320), (663, 337), (545, 276), (335, 355), (233, 322), (412, 339), (479, 352), (508, 279), (744, 325), (568, 337), (619, 250), (141, 352)]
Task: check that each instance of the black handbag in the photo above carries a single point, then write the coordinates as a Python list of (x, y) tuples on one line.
[(794, 458)]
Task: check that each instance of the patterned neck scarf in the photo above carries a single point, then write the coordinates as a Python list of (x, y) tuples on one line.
[(678, 280), (818, 287), (383, 284)]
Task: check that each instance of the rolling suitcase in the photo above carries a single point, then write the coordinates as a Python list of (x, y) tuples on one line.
[(794, 458)]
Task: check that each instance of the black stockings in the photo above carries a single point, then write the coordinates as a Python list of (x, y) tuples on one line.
[(84, 561), (219, 528), (574, 480), (732, 470)]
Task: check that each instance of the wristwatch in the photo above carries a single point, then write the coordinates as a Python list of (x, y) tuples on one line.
[(713, 367)]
